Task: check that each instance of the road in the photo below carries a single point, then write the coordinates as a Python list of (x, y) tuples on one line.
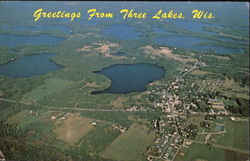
[(215, 86), (189, 70), (105, 109), (166, 146), (61, 107)]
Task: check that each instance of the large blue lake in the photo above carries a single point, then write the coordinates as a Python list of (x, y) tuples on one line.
[(62, 28), (14, 40), (194, 26), (126, 78), (189, 43), (122, 31), (30, 65)]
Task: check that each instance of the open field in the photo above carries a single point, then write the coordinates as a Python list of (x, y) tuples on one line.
[(18, 117), (36, 124), (199, 72), (72, 127), (221, 57), (202, 152), (130, 145), (195, 120), (231, 83), (180, 156), (232, 89), (235, 156), (26, 117), (99, 138), (235, 137), (103, 48), (50, 86), (68, 127)]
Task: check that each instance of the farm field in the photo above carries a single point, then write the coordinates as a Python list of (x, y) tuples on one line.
[(26, 117), (50, 86), (196, 153), (130, 145), (71, 127)]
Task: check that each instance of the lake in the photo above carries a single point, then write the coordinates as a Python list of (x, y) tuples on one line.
[(14, 40), (232, 40), (122, 31), (30, 65), (219, 127), (194, 25), (119, 53), (62, 28), (160, 30), (218, 49), (126, 78), (189, 43)]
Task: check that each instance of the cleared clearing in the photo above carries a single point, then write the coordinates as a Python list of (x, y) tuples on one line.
[(102, 47), (234, 90), (72, 127), (231, 83), (85, 48), (199, 72), (89, 84), (221, 57), (166, 52)]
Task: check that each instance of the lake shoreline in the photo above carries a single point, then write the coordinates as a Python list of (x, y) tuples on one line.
[(141, 89)]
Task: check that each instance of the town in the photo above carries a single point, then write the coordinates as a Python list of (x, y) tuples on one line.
[(175, 130)]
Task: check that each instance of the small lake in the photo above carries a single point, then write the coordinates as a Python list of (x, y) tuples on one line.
[(219, 127), (14, 40), (29, 65), (126, 78), (119, 53), (189, 43), (122, 31)]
